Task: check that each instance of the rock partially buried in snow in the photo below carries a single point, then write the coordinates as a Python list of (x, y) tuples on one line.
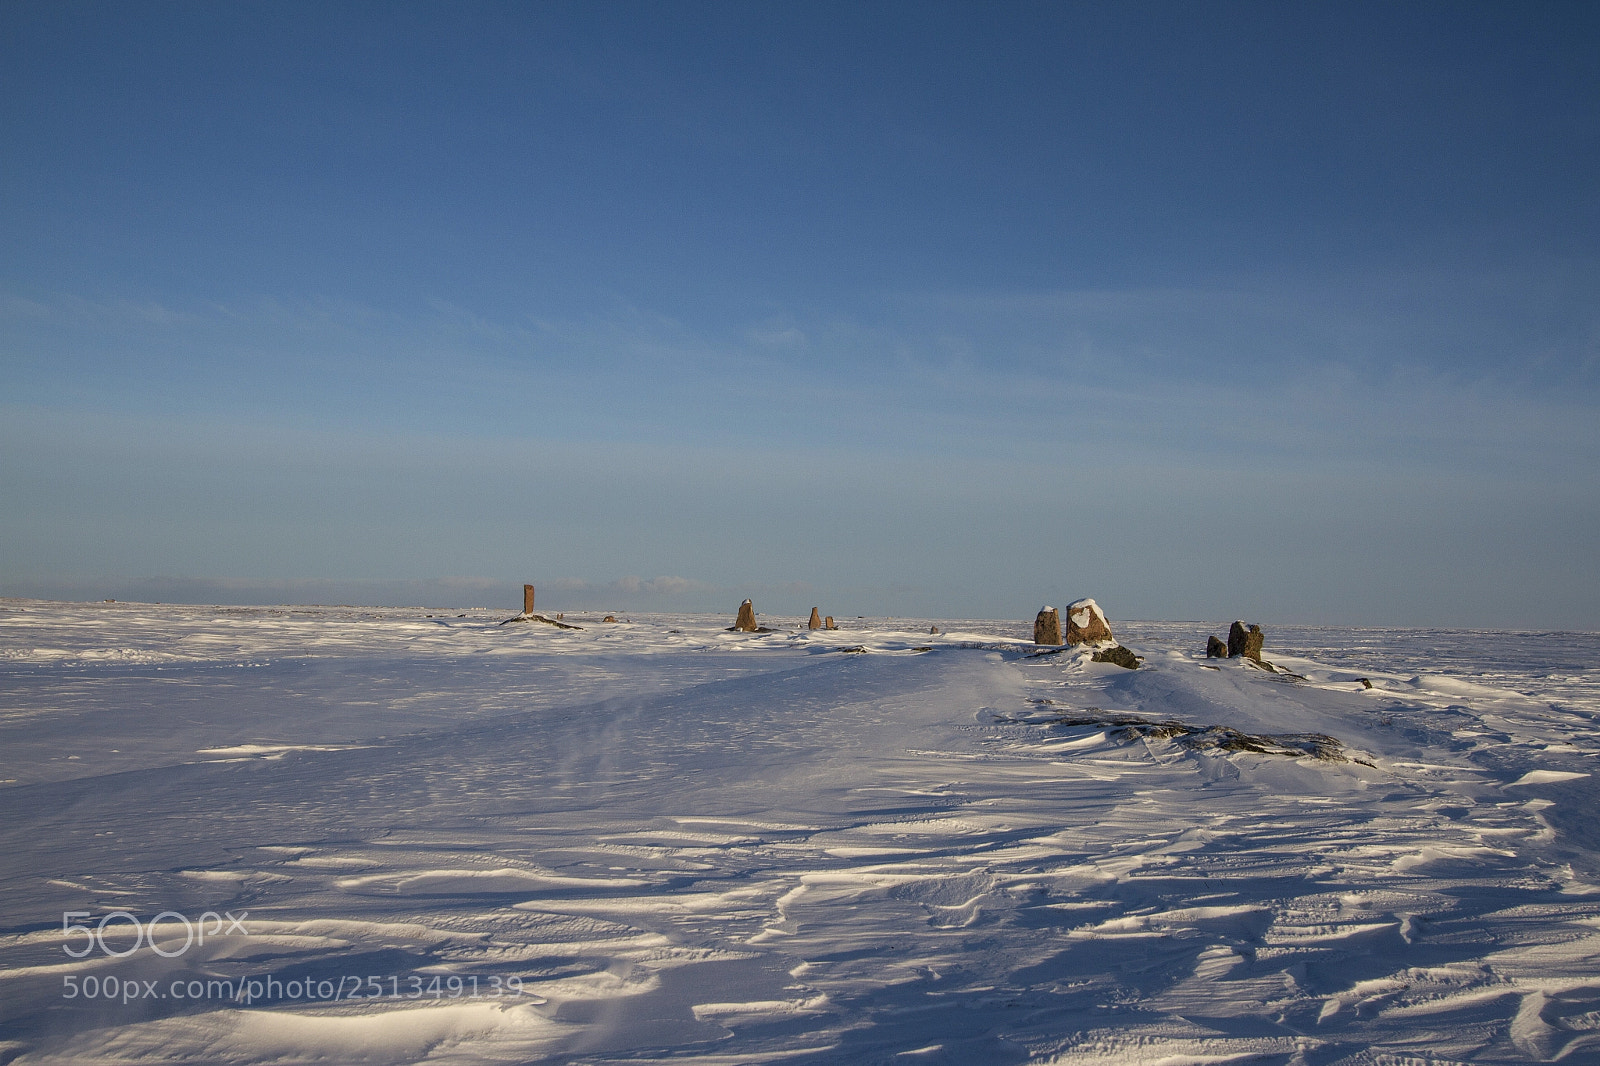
[(1246, 642), (828, 623), (1119, 656), (1215, 649), (1047, 626), (1086, 623)]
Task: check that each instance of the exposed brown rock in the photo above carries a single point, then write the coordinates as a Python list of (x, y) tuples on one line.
[(1215, 649), (527, 599), (609, 618), (933, 629), (1047, 626), (1086, 623), (746, 621), (1246, 642), (828, 623), (816, 620)]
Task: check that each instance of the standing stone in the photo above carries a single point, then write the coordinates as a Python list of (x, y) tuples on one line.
[(1246, 642), (827, 623), (1047, 626), (816, 620), (746, 622), (933, 629), (1215, 649), (1086, 623), (527, 599)]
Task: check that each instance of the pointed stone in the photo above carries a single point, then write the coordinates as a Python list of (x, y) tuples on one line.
[(527, 599), (1086, 623), (816, 620), (746, 621), (1047, 626)]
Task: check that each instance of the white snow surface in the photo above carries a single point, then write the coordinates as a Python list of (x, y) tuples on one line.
[(864, 845)]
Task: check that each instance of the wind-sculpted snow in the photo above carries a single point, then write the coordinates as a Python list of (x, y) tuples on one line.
[(661, 840)]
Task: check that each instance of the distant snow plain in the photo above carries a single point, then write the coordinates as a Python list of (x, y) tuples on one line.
[(661, 841)]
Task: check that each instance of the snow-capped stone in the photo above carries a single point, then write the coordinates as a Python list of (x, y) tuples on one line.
[(1047, 626), (1086, 623), (746, 621)]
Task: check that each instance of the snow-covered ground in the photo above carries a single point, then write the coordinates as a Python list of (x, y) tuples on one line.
[(658, 840)]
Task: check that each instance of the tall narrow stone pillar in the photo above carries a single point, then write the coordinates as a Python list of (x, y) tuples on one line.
[(1047, 626), (527, 599)]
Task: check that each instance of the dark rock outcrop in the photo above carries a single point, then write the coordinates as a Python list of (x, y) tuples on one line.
[(1119, 655), (1215, 649)]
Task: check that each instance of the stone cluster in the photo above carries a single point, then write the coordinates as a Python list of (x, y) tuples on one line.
[(1244, 642)]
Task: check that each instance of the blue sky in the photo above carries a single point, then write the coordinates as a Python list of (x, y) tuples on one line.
[(1282, 311)]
